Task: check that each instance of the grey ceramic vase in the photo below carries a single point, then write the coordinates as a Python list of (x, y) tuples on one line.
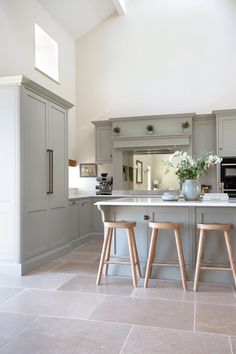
[(191, 189)]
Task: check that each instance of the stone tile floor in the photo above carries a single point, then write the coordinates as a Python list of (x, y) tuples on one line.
[(58, 309)]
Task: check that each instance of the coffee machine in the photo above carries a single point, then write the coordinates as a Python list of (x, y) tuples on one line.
[(104, 186)]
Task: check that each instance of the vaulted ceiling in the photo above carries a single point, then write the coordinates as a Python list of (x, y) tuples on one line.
[(80, 16)]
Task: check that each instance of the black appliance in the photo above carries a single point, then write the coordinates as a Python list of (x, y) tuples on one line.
[(228, 176), (104, 186)]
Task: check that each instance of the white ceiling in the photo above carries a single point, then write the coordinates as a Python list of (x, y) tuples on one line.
[(79, 16)]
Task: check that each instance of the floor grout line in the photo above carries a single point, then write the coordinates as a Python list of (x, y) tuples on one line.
[(24, 330), (230, 344), (194, 317), (120, 352)]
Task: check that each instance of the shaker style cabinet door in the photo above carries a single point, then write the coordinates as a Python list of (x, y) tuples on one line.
[(226, 134), (34, 112), (103, 141), (57, 146)]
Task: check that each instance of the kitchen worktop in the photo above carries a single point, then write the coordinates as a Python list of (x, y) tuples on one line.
[(157, 201)]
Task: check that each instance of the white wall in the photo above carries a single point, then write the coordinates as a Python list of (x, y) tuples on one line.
[(17, 19), (164, 56)]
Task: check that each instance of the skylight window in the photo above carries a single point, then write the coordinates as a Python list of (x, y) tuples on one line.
[(46, 54)]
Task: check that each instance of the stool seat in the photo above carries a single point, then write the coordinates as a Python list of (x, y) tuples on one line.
[(106, 249), (227, 230), (164, 225), (120, 224), (215, 227), (156, 226)]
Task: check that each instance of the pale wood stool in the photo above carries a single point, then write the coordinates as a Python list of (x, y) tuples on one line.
[(166, 226), (227, 230), (106, 249)]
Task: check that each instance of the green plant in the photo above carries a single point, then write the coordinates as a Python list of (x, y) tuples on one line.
[(187, 167), (185, 125), (116, 130), (150, 128)]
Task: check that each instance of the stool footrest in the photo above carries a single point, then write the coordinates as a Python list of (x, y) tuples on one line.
[(215, 268), (166, 264), (116, 256), (118, 262)]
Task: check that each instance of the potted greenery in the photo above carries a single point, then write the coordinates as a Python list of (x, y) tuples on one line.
[(116, 130), (149, 129), (185, 126)]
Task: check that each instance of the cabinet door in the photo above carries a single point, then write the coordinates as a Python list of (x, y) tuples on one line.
[(73, 220), (34, 174), (85, 217), (103, 144), (58, 199), (203, 135), (226, 135), (96, 217), (57, 141)]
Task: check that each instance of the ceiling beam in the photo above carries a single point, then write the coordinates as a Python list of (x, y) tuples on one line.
[(120, 6)]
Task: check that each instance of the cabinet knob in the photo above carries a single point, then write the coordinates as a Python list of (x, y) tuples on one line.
[(146, 217)]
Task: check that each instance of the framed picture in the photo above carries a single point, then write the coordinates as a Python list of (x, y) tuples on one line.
[(139, 171), (88, 170)]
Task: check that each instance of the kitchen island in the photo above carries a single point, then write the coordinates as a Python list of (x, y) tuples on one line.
[(189, 213)]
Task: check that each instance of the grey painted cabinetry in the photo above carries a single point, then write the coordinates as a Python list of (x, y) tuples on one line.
[(103, 141), (226, 128), (74, 220), (34, 200), (85, 217), (204, 133)]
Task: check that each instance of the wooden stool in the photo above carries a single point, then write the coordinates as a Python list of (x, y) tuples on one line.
[(166, 226), (227, 230), (106, 249)]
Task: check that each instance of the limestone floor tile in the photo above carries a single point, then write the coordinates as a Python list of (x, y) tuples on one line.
[(233, 344), (109, 285), (36, 281), (168, 314), (89, 248), (161, 289), (151, 340), (215, 294), (78, 268), (48, 267), (7, 293), (215, 319), (83, 257), (53, 303), (11, 325), (64, 336)]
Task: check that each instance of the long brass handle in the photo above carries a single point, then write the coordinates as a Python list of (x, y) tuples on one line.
[(50, 171)]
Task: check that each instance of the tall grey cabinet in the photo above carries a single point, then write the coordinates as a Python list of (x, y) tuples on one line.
[(34, 182)]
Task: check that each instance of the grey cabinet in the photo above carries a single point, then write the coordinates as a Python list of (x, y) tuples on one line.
[(34, 201), (204, 132), (103, 141), (74, 220), (226, 128), (85, 217)]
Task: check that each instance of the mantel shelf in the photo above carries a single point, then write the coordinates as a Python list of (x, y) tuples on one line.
[(123, 141), (151, 136)]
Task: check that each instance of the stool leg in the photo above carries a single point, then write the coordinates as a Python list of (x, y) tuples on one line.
[(108, 251), (150, 257), (181, 258), (132, 258), (228, 239), (103, 254), (199, 257), (136, 254)]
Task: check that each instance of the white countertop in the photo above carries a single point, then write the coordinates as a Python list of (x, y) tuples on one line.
[(160, 202)]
